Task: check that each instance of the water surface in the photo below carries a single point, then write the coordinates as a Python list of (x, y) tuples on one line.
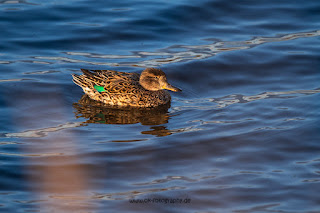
[(243, 136)]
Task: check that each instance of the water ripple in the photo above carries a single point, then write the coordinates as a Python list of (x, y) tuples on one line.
[(32, 155), (41, 132), (167, 179), (15, 79), (41, 72), (263, 208), (239, 98), (232, 99), (177, 53), (16, 2), (133, 194), (117, 195)]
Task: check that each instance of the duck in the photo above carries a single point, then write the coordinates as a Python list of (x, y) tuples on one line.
[(125, 89)]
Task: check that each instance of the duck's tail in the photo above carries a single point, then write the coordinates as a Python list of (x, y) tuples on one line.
[(84, 81), (87, 79), (78, 80)]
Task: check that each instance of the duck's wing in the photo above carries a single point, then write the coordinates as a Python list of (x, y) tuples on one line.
[(112, 81)]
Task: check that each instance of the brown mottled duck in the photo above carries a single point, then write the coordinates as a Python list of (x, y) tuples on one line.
[(126, 89)]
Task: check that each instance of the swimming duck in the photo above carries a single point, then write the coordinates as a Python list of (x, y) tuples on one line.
[(126, 89)]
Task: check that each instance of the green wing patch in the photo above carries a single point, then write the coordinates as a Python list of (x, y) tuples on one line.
[(99, 88)]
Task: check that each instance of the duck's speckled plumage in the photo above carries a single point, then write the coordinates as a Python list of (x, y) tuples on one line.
[(122, 89)]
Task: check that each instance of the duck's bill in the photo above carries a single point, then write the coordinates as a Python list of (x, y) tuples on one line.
[(172, 88)]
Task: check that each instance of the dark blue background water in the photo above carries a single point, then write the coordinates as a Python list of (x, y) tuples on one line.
[(243, 136)]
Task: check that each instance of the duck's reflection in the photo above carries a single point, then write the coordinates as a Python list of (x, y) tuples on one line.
[(158, 131), (97, 112)]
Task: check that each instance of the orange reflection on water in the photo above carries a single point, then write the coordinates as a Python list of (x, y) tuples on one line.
[(55, 174)]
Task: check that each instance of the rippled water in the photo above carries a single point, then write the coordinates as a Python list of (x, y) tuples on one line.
[(243, 136)]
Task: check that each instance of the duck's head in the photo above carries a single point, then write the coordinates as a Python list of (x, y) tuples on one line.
[(155, 79)]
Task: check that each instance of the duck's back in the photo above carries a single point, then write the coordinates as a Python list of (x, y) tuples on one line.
[(119, 88), (115, 82)]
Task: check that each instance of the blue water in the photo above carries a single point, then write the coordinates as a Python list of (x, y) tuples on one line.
[(243, 136)]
